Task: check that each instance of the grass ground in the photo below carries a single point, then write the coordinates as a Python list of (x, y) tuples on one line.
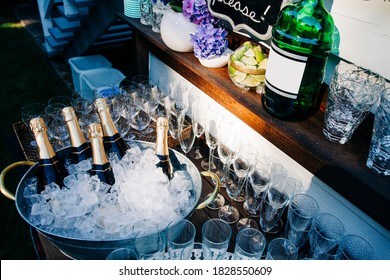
[(26, 76)]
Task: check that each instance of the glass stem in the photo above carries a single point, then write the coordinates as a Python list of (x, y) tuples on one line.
[(211, 159)]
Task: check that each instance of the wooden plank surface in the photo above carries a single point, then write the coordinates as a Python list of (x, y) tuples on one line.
[(342, 167)]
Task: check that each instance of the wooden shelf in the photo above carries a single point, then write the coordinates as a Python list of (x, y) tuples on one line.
[(342, 167)]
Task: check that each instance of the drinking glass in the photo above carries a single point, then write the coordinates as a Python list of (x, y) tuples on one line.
[(179, 97), (56, 125), (281, 249), (32, 110), (300, 214), (122, 254), (215, 237), (150, 245), (228, 149), (61, 99), (379, 153), (352, 94), (246, 223), (149, 92), (250, 155), (29, 112), (130, 109), (186, 134), (278, 174), (250, 244), (325, 234), (354, 247), (146, 12), (180, 239), (292, 186), (158, 10), (200, 252), (236, 181), (141, 119), (199, 121), (258, 183), (211, 132), (272, 207)]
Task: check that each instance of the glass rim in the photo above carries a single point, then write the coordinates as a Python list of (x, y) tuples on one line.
[(332, 217), (342, 70)]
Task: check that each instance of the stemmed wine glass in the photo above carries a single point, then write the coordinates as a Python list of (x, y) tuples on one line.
[(56, 125), (141, 119), (150, 93), (186, 134), (211, 132), (228, 147), (241, 167), (199, 121)]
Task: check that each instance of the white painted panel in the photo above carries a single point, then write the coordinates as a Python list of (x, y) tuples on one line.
[(355, 221), (364, 32)]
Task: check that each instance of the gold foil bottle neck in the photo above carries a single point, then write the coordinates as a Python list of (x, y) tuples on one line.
[(37, 125), (162, 122), (68, 113), (162, 137), (95, 131), (101, 104)]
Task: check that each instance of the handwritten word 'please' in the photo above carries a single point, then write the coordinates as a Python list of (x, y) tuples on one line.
[(237, 6)]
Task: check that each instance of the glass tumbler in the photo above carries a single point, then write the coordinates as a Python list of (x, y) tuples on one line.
[(352, 94), (180, 239), (379, 153), (250, 244), (215, 238)]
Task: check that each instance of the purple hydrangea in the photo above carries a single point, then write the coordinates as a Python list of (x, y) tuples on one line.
[(196, 11), (209, 41)]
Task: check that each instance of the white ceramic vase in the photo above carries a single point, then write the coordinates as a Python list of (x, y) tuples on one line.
[(175, 31), (217, 62)]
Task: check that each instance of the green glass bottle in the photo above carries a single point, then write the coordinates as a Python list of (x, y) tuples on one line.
[(302, 40)]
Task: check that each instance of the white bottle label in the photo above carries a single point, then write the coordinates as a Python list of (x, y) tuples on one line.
[(284, 72)]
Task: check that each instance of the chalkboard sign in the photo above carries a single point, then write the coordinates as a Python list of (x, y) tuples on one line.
[(251, 17)]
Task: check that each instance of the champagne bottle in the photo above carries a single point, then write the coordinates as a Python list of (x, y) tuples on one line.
[(302, 40), (162, 149), (80, 148), (100, 164), (49, 169), (113, 141)]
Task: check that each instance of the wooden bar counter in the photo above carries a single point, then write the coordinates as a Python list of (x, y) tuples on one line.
[(342, 167)]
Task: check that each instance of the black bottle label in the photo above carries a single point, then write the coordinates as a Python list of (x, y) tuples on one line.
[(104, 173)]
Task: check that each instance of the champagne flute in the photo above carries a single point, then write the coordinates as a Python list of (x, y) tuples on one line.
[(228, 148), (211, 131), (141, 119), (241, 166), (186, 134), (199, 121)]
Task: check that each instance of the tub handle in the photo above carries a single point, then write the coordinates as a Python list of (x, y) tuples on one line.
[(215, 178), (3, 189)]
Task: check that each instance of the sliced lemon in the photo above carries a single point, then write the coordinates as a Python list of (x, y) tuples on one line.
[(239, 77), (263, 63), (260, 78), (249, 60), (250, 53), (247, 45), (258, 54), (239, 53), (250, 81), (231, 70)]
